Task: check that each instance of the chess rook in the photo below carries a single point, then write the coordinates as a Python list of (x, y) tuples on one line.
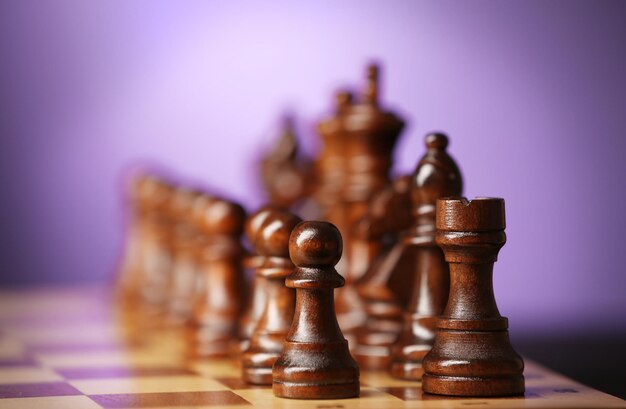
[(472, 354), (315, 362), (271, 243), (437, 175)]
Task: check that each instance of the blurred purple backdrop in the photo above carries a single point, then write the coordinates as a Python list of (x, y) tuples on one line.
[(532, 94)]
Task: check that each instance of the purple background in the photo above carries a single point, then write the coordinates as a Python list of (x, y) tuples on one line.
[(532, 94)]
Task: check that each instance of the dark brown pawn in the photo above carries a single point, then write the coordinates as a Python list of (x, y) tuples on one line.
[(437, 175), (220, 282), (472, 355), (316, 362), (256, 301), (266, 344)]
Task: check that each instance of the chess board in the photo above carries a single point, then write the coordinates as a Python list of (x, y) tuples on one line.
[(71, 348)]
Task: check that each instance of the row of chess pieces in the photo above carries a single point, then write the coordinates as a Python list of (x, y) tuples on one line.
[(414, 294), (188, 265)]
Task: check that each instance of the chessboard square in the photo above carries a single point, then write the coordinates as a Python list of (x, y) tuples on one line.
[(262, 397), (11, 348), (107, 359), (122, 372), (27, 374), (216, 368), (51, 402), (80, 347), (18, 361), (167, 341), (147, 385), (170, 400), (368, 394), (369, 397), (73, 334), (405, 393), (49, 302), (383, 379), (32, 390), (235, 382)]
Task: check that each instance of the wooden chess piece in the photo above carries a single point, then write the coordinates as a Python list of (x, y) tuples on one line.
[(220, 284), (184, 262), (155, 250), (266, 343), (437, 175), (472, 354), (315, 362), (354, 164), (256, 301), (131, 269), (385, 289), (285, 173)]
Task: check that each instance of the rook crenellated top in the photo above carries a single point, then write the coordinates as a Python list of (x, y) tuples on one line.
[(480, 214)]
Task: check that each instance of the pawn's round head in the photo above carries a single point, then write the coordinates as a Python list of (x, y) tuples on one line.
[(221, 216), (272, 239), (436, 141), (315, 244), (255, 221)]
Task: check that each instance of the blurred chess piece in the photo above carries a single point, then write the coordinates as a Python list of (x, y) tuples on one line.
[(144, 275), (131, 269), (285, 172), (437, 175), (219, 288), (266, 344), (384, 288), (256, 300), (354, 164), (185, 263)]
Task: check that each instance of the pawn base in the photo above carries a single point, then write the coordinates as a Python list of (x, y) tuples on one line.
[(257, 366), (206, 342), (257, 376), (316, 371), (316, 391)]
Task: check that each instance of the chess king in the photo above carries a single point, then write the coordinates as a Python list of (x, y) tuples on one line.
[(354, 164)]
